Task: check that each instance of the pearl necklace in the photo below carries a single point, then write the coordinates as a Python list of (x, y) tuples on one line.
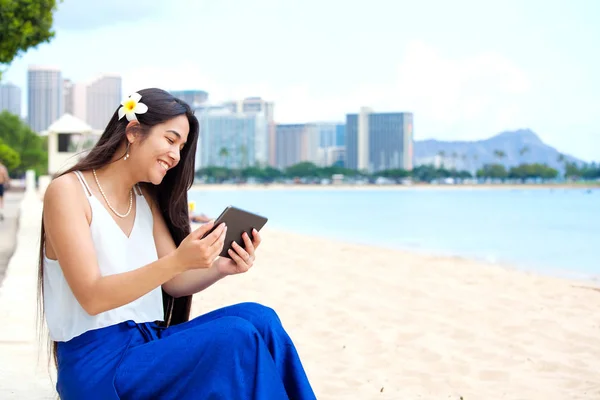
[(108, 203)]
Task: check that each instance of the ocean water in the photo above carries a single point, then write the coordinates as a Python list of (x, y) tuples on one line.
[(553, 231)]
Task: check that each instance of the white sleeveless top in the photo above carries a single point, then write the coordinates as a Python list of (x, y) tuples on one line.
[(116, 253)]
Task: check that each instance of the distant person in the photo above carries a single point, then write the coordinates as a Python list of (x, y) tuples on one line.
[(196, 218), (4, 182), (199, 218), (119, 267)]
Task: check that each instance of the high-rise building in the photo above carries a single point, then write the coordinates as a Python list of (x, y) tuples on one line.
[(68, 96), (103, 98), (10, 98), (230, 139), (335, 156), (296, 143), (79, 98), (254, 105), (326, 134), (288, 143), (340, 135), (193, 98), (330, 152), (44, 96), (379, 141)]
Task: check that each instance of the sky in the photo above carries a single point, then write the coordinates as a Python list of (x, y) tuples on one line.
[(467, 69)]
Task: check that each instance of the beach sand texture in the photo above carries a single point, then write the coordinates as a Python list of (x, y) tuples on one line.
[(384, 324)]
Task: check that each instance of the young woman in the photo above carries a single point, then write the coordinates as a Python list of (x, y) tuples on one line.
[(118, 267)]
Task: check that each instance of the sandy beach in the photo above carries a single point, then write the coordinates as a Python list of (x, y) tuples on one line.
[(373, 323), (384, 324)]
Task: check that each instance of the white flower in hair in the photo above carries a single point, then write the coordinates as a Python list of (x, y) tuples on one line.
[(132, 106)]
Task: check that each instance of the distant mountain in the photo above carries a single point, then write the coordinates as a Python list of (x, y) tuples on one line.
[(509, 148)]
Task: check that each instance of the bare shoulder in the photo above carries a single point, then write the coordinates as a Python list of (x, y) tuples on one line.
[(62, 186), (65, 192), (67, 216)]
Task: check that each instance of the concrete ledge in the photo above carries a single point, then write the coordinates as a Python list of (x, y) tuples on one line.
[(24, 367)]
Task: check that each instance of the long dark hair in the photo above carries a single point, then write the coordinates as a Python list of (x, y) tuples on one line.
[(170, 195)]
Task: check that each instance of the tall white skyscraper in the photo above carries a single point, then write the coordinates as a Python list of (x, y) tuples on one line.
[(79, 96), (102, 99), (230, 139), (255, 105), (44, 96), (68, 100), (75, 99), (10, 98)]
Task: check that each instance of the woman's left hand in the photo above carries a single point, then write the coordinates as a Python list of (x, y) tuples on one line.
[(242, 258)]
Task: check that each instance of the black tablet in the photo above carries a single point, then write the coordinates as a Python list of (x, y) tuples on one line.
[(237, 221)]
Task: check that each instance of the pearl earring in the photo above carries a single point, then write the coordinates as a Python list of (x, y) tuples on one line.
[(127, 152)]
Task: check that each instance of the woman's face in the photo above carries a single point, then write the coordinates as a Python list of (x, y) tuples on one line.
[(160, 150)]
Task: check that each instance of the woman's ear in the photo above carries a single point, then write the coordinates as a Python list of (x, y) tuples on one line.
[(132, 131)]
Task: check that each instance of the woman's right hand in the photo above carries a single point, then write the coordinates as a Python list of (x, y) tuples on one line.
[(195, 252)]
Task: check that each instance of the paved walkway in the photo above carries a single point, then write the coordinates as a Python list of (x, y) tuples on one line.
[(24, 369), (8, 229)]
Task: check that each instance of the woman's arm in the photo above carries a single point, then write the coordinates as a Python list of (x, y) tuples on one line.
[(188, 282), (68, 233), (69, 240)]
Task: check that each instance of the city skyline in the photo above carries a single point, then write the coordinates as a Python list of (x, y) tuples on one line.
[(325, 154), (466, 70)]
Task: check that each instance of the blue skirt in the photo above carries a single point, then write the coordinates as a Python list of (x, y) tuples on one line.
[(237, 352)]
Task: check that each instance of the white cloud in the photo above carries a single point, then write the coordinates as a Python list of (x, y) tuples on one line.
[(459, 98), (467, 91), (293, 103), (475, 95)]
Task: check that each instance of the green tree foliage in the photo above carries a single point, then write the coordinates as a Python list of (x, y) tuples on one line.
[(587, 172), (532, 171), (493, 171), (31, 148), (8, 156), (395, 173), (302, 170), (24, 24), (421, 173)]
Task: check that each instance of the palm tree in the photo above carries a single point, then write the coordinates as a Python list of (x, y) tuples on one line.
[(524, 149), (442, 155), (454, 157), (224, 154), (561, 159), (244, 153), (499, 154)]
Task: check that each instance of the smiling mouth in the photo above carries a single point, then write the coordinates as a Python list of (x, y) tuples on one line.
[(164, 165)]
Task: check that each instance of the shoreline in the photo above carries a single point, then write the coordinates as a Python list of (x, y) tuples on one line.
[(371, 322), (426, 255), (592, 281), (280, 186)]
